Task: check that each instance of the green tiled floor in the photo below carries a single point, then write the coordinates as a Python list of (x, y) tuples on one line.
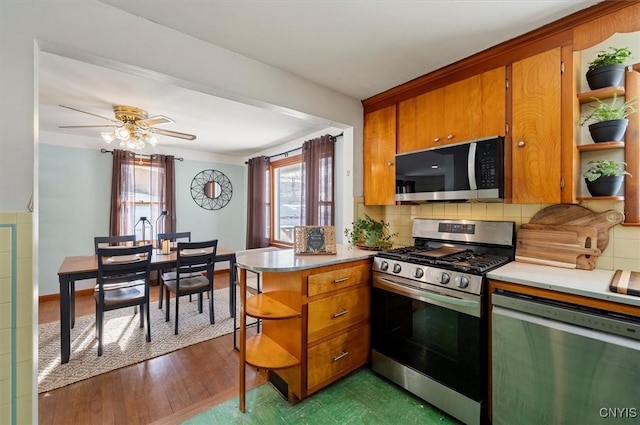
[(360, 398)]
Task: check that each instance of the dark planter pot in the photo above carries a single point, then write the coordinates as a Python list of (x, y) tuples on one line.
[(605, 186), (608, 131), (605, 76)]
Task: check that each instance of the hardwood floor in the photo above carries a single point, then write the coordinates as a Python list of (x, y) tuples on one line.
[(164, 390)]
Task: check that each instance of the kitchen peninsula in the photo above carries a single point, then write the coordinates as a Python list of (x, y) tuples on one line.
[(315, 318)]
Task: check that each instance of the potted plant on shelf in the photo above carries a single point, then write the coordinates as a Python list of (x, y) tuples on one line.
[(368, 233), (610, 119), (607, 69), (605, 177)]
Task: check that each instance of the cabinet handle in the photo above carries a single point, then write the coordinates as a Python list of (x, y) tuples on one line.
[(340, 280), (338, 314), (437, 139), (389, 163), (521, 143), (450, 136), (341, 355)]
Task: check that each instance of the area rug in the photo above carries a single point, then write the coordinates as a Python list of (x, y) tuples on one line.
[(360, 398), (124, 340)]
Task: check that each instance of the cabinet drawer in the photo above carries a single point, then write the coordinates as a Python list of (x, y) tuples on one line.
[(337, 312), (337, 279), (337, 356)]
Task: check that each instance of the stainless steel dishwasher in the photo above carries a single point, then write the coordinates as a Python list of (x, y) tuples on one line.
[(560, 363)]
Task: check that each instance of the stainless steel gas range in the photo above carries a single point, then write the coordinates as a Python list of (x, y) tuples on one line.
[(429, 324)]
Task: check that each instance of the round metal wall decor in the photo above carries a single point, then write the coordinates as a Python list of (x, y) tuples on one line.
[(211, 189)]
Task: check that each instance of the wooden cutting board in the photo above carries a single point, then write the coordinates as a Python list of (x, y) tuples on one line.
[(626, 282), (572, 214), (557, 245)]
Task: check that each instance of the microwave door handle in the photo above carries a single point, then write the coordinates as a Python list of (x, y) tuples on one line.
[(471, 166)]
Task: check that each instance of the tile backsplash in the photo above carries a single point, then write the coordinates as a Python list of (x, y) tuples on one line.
[(622, 252), (16, 319)]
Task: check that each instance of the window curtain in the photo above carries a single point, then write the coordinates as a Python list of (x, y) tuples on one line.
[(317, 177), (123, 213), (163, 193), (258, 218), (121, 219)]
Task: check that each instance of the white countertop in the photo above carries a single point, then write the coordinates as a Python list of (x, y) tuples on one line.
[(588, 283), (284, 260)]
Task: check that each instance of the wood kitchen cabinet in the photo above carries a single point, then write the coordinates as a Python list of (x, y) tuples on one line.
[(536, 128), (466, 110), (379, 156), (315, 324)]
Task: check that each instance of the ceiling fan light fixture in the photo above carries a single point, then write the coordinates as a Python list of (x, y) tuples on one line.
[(108, 136), (123, 133)]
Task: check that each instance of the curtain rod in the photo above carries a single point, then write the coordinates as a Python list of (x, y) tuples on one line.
[(286, 154), (177, 158)]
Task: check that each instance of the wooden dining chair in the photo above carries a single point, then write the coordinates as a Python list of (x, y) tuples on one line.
[(194, 275), (123, 281), (99, 241), (169, 274)]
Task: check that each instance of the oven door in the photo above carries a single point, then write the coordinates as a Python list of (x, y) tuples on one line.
[(439, 335)]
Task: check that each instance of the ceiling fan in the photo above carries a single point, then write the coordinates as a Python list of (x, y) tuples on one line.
[(133, 126)]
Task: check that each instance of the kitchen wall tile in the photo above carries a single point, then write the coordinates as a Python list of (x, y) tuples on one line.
[(5, 295), (450, 211), (5, 367), (495, 211), (478, 211), (8, 218), (24, 342), (426, 210), (438, 211), (24, 272), (5, 402), (23, 410), (464, 211), (625, 232), (529, 210), (513, 210), (5, 239), (625, 264), (5, 264), (626, 248), (604, 262), (5, 339), (24, 240)]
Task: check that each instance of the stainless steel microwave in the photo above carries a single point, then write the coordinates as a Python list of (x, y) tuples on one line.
[(464, 171)]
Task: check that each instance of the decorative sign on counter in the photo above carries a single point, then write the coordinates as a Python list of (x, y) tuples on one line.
[(314, 240)]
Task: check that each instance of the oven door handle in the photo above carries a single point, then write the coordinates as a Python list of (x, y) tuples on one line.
[(471, 307)]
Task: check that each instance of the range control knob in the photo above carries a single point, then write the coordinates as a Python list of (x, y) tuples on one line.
[(444, 278), (396, 268), (384, 266), (419, 273), (462, 281)]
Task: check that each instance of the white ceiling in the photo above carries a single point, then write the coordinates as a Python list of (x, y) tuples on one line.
[(356, 47)]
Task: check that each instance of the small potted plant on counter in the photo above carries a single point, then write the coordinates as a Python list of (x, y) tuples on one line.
[(368, 233), (607, 69), (604, 177), (610, 119)]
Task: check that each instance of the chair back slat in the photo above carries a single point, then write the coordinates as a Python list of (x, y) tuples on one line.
[(173, 237), (123, 264), (102, 241), (195, 257)]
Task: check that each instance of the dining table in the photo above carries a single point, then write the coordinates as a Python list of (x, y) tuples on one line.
[(82, 267)]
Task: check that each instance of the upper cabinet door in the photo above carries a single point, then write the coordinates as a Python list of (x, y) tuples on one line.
[(379, 156), (421, 121), (493, 102), (536, 129), (462, 112)]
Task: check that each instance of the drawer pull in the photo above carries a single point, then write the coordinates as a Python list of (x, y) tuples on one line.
[(340, 280), (339, 356), (340, 313)]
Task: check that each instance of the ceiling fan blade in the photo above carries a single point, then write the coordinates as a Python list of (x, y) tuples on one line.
[(88, 126), (90, 113), (155, 120), (172, 133)]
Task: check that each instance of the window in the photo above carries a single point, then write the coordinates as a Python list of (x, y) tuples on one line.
[(143, 202), (287, 204)]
